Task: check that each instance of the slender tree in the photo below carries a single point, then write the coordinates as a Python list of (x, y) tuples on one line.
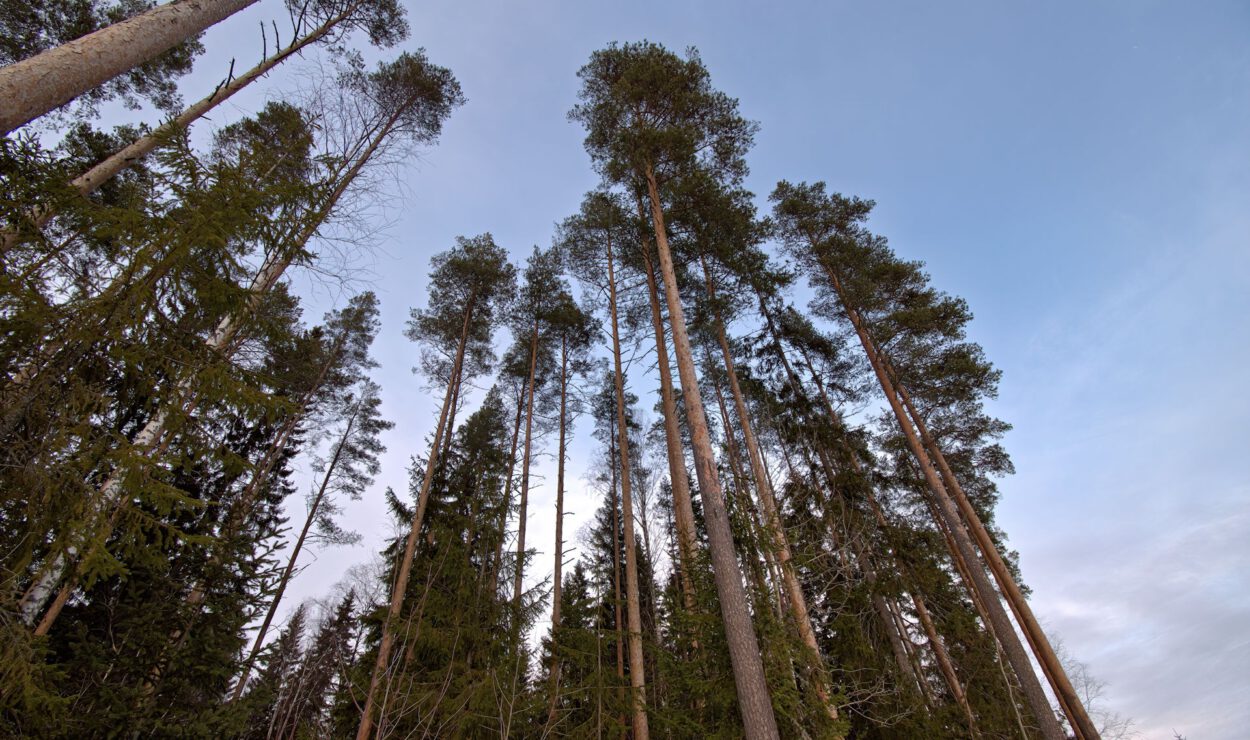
[(348, 471), (571, 325), (469, 287)]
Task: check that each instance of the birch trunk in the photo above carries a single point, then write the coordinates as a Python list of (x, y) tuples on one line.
[(91, 180)]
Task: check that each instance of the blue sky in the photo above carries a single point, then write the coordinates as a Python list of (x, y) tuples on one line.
[(1076, 170)]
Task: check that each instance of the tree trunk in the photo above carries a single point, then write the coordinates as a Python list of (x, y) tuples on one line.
[(523, 504), (944, 661), (1042, 711), (91, 180), (772, 519), (400, 587), (556, 583), (746, 507), (497, 565), (295, 551), (683, 509), (637, 668), (619, 621), (754, 702), (35, 86)]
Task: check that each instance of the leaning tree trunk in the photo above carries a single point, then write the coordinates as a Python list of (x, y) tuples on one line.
[(1033, 632), (637, 669), (91, 180), (772, 519), (35, 86), (945, 665), (754, 702), (400, 587), (1034, 694), (295, 551)]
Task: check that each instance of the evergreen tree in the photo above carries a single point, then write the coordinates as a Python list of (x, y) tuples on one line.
[(649, 116), (469, 289)]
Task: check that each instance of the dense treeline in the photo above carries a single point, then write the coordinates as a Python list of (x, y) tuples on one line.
[(801, 544)]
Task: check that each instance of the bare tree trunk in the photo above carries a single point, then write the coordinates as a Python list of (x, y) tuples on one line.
[(410, 547), (754, 702), (637, 667), (616, 567), (772, 519), (683, 509), (35, 86), (1042, 711), (556, 583), (525, 483), (745, 505), (295, 551), (944, 661), (497, 565)]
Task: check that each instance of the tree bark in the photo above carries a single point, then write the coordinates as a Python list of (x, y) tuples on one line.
[(556, 583), (400, 587), (637, 668), (754, 702), (35, 86), (525, 484)]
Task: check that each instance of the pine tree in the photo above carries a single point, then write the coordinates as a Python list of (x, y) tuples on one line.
[(469, 289), (872, 288), (649, 115)]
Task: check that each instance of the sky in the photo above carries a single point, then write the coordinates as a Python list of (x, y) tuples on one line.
[(1078, 171)]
